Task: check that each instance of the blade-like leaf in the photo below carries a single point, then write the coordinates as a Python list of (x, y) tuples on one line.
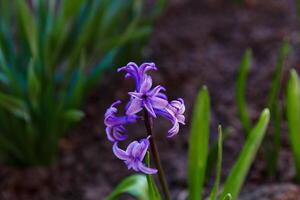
[(215, 190), (275, 109), (26, 20), (15, 106), (293, 117), (136, 185), (240, 91), (152, 188), (33, 84), (240, 169), (198, 145)]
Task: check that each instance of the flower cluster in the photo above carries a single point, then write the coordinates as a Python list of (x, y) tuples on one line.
[(144, 97)]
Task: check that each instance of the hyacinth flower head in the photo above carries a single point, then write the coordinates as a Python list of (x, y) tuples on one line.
[(153, 102), (134, 155)]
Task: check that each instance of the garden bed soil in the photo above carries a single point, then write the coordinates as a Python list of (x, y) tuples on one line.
[(194, 43)]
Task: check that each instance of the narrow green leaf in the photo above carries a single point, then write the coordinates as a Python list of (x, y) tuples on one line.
[(27, 22), (198, 145), (33, 85), (240, 169), (152, 188), (14, 105), (213, 153), (240, 90), (135, 185), (273, 148), (275, 87), (293, 117), (73, 115), (215, 190)]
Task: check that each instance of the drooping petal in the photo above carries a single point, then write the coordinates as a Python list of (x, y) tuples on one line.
[(146, 67), (146, 170), (121, 154), (181, 119), (134, 106), (158, 103), (174, 130), (149, 108)]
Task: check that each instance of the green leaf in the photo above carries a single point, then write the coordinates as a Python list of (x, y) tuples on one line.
[(73, 115), (33, 85), (215, 190), (135, 185), (227, 197), (293, 117), (240, 169), (28, 24), (152, 188), (273, 148), (213, 153), (15, 106), (198, 145), (240, 90), (273, 96)]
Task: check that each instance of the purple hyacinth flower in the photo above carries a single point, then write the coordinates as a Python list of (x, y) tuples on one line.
[(115, 124), (134, 156), (137, 72), (150, 99), (174, 112)]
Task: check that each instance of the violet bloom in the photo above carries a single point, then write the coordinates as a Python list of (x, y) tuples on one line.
[(134, 156), (115, 125), (136, 72), (150, 99)]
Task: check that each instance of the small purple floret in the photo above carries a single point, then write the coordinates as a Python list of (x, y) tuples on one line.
[(115, 125), (134, 156)]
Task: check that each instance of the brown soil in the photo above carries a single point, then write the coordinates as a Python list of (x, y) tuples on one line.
[(194, 43)]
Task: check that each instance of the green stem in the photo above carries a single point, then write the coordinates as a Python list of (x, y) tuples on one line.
[(155, 154)]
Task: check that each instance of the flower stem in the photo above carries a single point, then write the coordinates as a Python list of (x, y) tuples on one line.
[(161, 174)]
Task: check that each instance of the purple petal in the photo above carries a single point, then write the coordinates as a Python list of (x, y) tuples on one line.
[(156, 90), (121, 154), (140, 150), (146, 84), (131, 147), (136, 94), (181, 119), (149, 108), (146, 67), (146, 170), (135, 106), (174, 130), (158, 103)]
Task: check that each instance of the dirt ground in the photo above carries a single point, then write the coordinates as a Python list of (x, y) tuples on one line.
[(194, 43)]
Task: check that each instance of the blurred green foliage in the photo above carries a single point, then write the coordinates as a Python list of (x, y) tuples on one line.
[(199, 153), (51, 54), (272, 143)]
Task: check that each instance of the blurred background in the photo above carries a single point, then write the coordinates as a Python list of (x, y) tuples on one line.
[(58, 62)]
